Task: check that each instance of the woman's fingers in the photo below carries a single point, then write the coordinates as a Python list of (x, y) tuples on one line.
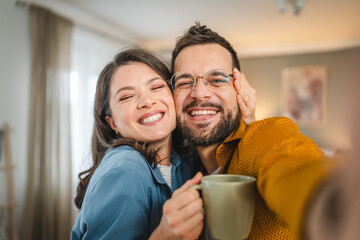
[(180, 201), (184, 200), (182, 218), (246, 97), (195, 180), (182, 213), (192, 227), (241, 104)]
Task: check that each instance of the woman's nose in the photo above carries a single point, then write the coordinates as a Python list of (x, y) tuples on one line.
[(146, 101)]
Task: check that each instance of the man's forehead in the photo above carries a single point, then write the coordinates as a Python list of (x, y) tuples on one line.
[(198, 59)]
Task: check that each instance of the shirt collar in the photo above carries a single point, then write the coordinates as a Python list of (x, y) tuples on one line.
[(175, 162), (237, 134), (224, 151)]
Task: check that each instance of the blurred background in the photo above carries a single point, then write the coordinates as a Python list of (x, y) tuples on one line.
[(269, 36)]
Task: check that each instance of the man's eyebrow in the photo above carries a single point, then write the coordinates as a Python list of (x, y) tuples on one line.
[(184, 75)]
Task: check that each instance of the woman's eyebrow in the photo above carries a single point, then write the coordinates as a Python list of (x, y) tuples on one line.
[(152, 80), (123, 89)]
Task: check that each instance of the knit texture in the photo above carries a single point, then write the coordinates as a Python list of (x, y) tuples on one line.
[(288, 167)]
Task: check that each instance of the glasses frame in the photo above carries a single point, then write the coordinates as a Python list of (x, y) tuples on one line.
[(172, 84)]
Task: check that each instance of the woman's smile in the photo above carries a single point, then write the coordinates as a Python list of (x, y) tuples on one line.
[(151, 118)]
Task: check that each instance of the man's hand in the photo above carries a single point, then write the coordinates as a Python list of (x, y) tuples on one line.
[(182, 214), (246, 97)]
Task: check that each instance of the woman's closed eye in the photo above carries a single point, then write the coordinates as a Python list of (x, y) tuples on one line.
[(125, 97), (158, 86)]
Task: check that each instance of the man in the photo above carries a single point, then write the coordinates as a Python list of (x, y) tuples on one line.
[(288, 165)]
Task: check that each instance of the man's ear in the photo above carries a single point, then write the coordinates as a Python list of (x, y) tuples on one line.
[(111, 122)]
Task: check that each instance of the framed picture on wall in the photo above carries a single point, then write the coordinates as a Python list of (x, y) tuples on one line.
[(304, 94)]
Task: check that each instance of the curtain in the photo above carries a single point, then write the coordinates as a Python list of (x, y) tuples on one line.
[(47, 213)]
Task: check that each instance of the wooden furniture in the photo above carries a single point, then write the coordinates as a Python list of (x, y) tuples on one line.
[(8, 168)]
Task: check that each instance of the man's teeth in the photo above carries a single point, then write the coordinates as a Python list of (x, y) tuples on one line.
[(202, 112), (152, 118)]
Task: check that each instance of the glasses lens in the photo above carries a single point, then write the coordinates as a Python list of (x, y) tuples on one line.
[(217, 78), (183, 82)]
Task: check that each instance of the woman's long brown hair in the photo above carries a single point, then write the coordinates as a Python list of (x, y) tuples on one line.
[(103, 136)]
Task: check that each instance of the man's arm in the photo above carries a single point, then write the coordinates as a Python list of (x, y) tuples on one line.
[(289, 171)]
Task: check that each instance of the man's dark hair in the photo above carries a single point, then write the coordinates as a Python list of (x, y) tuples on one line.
[(200, 34)]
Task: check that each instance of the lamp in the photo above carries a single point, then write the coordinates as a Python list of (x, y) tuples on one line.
[(297, 5)]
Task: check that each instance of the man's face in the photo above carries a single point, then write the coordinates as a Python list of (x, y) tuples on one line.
[(206, 116)]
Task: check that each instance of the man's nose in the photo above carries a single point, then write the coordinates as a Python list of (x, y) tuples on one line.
[(200, 90)]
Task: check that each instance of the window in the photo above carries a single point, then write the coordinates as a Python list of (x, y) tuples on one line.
[(90, 53)]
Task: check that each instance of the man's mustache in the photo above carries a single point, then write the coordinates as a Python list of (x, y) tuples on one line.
[(206, 104)]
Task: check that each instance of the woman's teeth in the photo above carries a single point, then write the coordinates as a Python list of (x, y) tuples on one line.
[(202, 112), (152, 118)]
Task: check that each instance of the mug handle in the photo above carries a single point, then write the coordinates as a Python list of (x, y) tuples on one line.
[(196, 187)]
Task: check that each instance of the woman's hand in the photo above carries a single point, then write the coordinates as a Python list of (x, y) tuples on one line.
[(182, 214), (246, 97)]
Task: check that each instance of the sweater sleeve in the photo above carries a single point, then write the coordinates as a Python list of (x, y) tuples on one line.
[(116, 207), (289, 171)]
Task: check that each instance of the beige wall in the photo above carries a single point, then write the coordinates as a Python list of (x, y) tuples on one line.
[(14, 92), (264, 74)]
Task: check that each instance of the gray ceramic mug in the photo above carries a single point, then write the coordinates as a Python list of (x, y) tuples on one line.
[(229, 202)]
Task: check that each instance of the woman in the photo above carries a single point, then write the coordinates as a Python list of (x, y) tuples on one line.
[(134, 116)]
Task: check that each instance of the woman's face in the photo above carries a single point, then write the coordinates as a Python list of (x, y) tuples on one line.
[(141, 104)]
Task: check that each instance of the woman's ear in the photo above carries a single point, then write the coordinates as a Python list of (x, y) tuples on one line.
[(112, 124)]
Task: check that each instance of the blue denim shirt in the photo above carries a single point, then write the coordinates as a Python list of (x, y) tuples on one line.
[(125, 195)]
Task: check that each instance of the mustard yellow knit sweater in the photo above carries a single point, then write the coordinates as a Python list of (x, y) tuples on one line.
[(288, 167)]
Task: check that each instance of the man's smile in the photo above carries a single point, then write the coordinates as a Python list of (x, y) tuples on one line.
[(196, 113)]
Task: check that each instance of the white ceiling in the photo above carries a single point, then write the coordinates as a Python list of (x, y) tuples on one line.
[(254, 27)]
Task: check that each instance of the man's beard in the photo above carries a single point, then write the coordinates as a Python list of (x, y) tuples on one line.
[(200, 135)]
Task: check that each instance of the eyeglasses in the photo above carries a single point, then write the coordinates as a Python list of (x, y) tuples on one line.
[(184, 82)]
